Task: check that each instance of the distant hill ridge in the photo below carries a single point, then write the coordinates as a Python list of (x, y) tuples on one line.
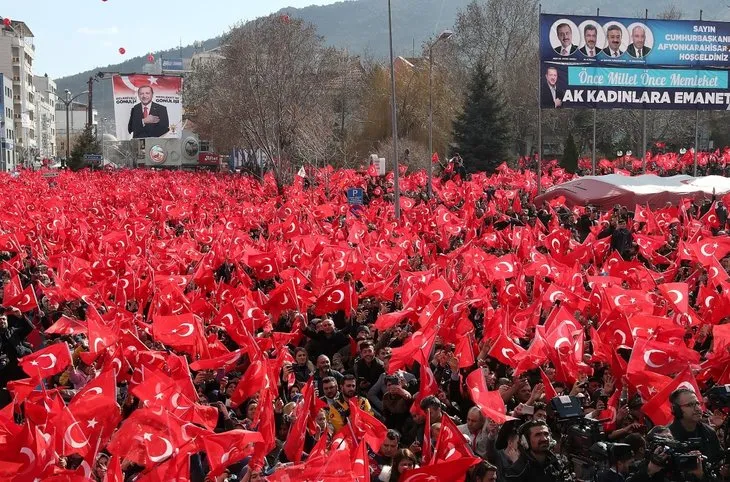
[(361, 26)]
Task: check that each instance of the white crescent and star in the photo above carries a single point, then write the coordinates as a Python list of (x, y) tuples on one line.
[(68, 438), (165, 454), (342, 297), (647, 358)]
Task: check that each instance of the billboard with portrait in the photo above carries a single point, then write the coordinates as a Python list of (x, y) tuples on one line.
[(609, 62), (148, 106)]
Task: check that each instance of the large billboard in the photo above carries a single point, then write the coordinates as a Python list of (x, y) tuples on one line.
[(148, 106), (609, 62)]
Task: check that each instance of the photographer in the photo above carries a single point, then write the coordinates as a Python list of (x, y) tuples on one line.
[(688, 425), (663, 463), (537, 463)]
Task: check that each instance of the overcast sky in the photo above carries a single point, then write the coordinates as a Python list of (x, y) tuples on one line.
[(72, 36)]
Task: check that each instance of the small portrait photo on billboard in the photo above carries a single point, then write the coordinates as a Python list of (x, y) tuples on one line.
[(617, 39), (641, 40), (553, 88), (593, 38), (564, 37)]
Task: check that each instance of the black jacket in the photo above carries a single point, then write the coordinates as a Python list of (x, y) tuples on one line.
[(139, 130), (528, 469), (710, 443)]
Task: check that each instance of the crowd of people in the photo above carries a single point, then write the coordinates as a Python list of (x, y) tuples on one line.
[(162, 326)]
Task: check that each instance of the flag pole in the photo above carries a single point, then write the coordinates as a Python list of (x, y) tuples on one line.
[(643, 137), (394, 118), (539, 104), (697, 132), (593, 157)]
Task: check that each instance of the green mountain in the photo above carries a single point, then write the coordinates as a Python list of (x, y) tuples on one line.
[(361, 27)]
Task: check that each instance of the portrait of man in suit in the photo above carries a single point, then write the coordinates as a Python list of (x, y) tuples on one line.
[(637, 49), (148, 119), (565, 35), (552, 92), (590, 35), (614, 35)]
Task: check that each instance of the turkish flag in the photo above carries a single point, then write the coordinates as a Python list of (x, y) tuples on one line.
[(294, 443), (505, 351), (253, 381), (339, 297), (179, 331), (225, 362), (46, 362), (428, 386), (453, 471), (227, 448), (13, 288), (360, 465), (550, 392), (147, 436), (712, 247), (658, 408), (489, 402), (676, 294), (660, 357), (26, 301), (99, 334), (65, 326), (438, 290), (451, 443), (365, 425)]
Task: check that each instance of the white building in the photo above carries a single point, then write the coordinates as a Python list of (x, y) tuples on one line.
[(45, 125), (7, 135), (17, 53)]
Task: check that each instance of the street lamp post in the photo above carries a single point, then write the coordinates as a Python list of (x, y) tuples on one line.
[(394, 119), (67, 102), (445, 35)]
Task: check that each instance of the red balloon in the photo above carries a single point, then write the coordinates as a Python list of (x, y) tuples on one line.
[(122, 50), (285, 18), (6, 22), (150, 58)]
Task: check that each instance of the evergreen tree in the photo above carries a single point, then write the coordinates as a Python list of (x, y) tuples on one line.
[(570, 154), (85, 144), (481, 131)]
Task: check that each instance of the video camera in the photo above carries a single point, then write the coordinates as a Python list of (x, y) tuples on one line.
[(678, 453), (579, 433)]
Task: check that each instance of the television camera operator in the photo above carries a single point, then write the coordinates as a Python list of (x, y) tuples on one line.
[(537, 462), (671, 460), (688, 425)]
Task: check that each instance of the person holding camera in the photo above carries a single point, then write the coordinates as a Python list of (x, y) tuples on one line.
[(537, 462), (665, 465), (688, 425)]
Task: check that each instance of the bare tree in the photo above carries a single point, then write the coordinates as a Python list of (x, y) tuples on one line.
[(267, 90)]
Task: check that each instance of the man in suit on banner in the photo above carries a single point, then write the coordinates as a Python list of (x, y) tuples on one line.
[(552, 93), (590, 34), (614, 34), (637, 49), (148, 119), (565, 35)]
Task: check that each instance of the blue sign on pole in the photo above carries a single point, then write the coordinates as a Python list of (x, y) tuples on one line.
[(354, 196), (93, 157)]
